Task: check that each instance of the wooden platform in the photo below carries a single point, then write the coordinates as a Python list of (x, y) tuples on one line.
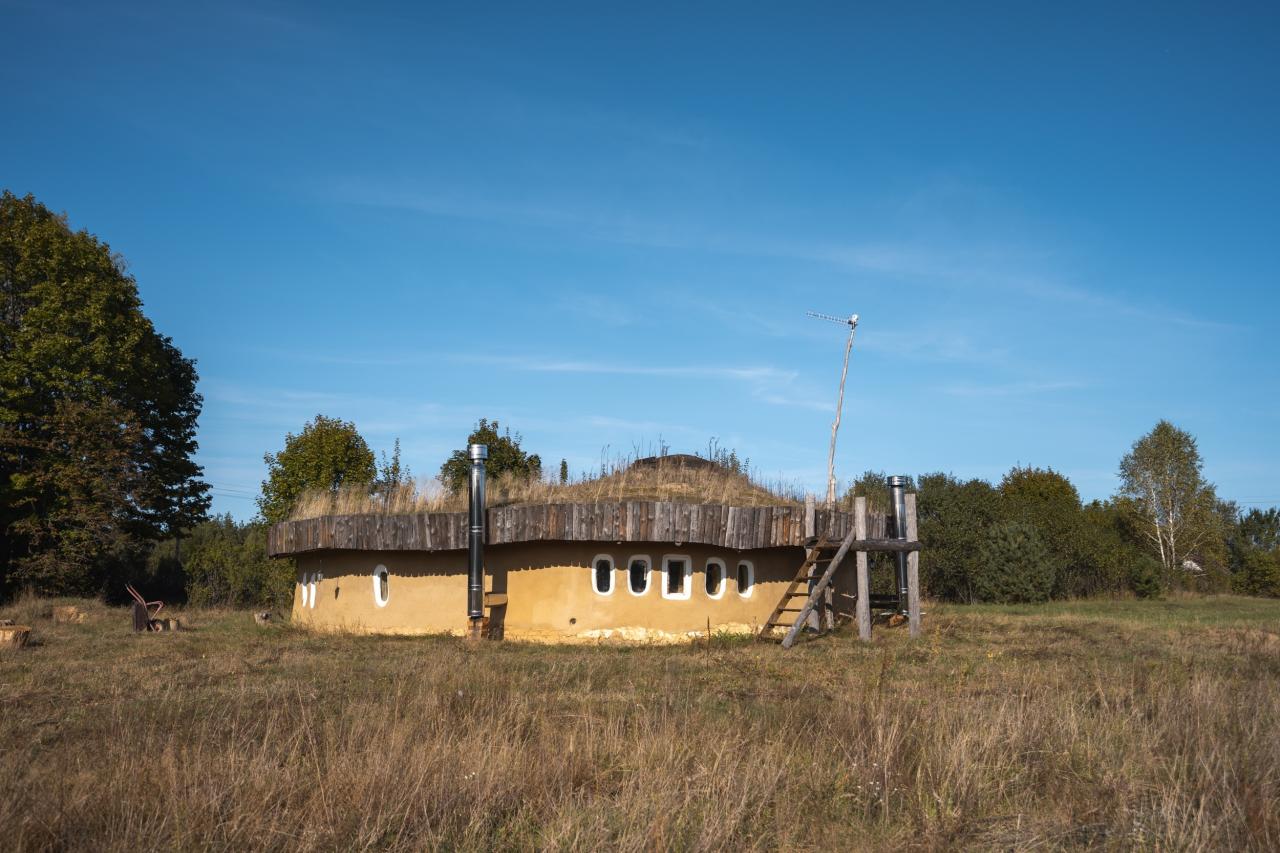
[(739, 528)]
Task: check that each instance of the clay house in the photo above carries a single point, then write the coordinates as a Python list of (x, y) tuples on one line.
[(660, 550)]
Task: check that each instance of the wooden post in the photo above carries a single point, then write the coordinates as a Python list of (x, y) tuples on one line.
[(814, 619), (864, 581), (913, 569)]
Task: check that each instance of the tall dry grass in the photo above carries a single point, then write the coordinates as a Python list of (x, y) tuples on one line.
[(621, 481), (994, 732)]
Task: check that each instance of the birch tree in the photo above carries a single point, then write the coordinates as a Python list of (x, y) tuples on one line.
[(1163, 483)]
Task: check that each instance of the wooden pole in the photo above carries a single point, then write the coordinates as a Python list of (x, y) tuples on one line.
[(864, 581), (913, 569), (835, 425)]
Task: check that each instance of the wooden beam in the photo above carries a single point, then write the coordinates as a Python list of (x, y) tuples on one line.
[(913, 569), (863, 605)]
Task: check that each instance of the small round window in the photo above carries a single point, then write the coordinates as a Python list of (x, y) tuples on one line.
[(381, 585)]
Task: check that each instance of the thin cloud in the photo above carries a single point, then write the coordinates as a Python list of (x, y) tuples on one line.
[(1010, 389), (990, 267), (536, 365)]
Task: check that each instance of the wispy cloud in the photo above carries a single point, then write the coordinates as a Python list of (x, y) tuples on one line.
[(543, 365), (772, 385), (972, 265), (1010, 389)]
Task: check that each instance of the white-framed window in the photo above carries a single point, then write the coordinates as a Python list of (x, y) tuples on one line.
[(602, 574), (677, 572), (714, 580), (381, 585), (746, 578), (639, 568)]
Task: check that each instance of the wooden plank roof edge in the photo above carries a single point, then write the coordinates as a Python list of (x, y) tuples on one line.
[(736, 527)]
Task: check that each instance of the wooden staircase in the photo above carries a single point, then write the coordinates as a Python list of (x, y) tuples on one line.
[(807, 589), (812, 582)]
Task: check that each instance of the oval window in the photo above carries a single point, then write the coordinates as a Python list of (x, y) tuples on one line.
[(746, 578), (602, 574), (381, 586), (714, 578), (638, 575)]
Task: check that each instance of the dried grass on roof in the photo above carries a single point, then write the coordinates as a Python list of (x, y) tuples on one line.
[(707, 484)]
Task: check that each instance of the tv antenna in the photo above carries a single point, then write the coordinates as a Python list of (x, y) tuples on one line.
[(852, 322)]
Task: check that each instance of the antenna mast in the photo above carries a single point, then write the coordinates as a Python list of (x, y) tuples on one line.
[(852, 322)]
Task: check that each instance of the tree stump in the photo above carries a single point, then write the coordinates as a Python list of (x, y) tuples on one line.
[(14, 636)]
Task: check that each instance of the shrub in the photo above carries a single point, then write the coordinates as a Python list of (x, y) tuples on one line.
[(227, 564), (1144, 576), (1259, 573), (1013, 565)]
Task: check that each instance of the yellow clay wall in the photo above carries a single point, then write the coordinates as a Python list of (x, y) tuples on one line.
[(549, 590)]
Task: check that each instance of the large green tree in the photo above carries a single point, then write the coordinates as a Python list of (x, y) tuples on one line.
[(954, 517), (1172, 505), (1047, 500), (327, 455), (506, 457), (97, 410)]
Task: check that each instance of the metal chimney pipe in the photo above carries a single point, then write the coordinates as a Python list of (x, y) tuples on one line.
[(898, 499), (475, 540)]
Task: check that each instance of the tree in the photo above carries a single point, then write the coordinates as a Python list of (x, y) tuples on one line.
[(954, 517), (1108, 559), (1260, 529), (564, 471), (1013, 565), (1254, 552), (327, 455), (228, 566), (1172, 504), (506, 458), (85, 382), (1046, 500), (391, 473), (1259, 573)]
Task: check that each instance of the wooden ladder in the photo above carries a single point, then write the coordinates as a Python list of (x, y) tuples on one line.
[(821, 556)]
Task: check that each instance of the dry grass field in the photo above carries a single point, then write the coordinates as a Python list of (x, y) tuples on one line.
[(1113, 725)]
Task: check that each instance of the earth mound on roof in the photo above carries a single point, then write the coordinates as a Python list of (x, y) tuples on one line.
[(678, 460)]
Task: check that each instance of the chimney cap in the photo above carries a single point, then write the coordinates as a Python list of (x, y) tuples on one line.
[(897, 480), (479, 452)]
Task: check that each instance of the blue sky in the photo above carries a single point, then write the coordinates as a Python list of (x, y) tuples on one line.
[(1058, 223)]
